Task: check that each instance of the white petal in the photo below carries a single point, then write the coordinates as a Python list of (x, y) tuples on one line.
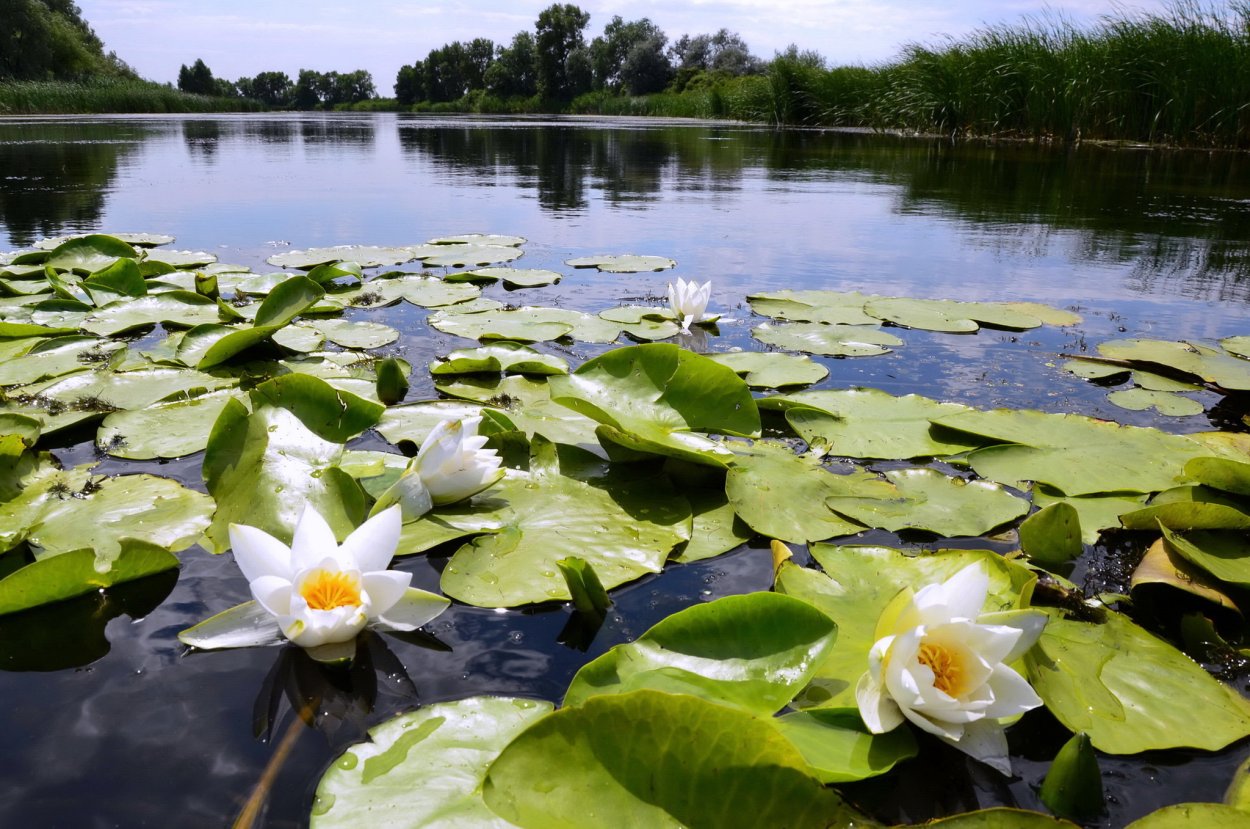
[(273, 593), (984, 741), (384, 588), (959, 597), (320, 627), (372, 545), (333, 651), (242, 626), (410, 493), (313, 541), (414, 609), (878, 711), (1012, 694), (1030, 623), (258, 553)]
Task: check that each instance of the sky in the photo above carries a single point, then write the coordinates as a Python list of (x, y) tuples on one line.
[(238, 38)]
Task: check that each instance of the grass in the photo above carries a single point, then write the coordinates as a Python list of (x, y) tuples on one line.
[(109, 95)]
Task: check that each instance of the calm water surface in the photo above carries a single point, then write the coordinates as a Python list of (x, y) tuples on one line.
[(107, 722)]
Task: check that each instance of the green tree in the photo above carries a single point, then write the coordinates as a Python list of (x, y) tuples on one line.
[(559, 37), (646, 68), (609, 51), (311, 89), (512, 72), (410, 84), (350, 87), (271, 88), (49, 40), (197, 79)]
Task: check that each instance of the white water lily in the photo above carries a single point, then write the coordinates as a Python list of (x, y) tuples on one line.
[(451, 465), (941, 664), (689, 300), (315, 593)]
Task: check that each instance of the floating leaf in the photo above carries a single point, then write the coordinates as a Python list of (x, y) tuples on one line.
[(1165, 403), (782, 495), (716, 529), (367, 256), (925, 499), (997, 818), (662, 760), (470, 256), (1221, 473), (295, 337), (183, 309), (1052, 535), (423, 291), (503, 356), (1224, 555), (146, 240), (86, 254), (355, 333), (511, 277), (1162, 567), (163, 430), (829, 340), (625, 263), (182, 258), (287, 301), (424, 768), (868, 423), (830, 307), (70, 574), (840, 749), (655, 398), (1131, 691), (1073, 785), (479, 239), (772, 370), (528, 404), (521, 326), (1096, 512), (1237, 345), (949, 315), (1190, 508), (1192, 816), (753, 652), (1208, 364), (414, 421)]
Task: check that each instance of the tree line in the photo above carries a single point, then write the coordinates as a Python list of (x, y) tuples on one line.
[(556, 63), (310, 90)]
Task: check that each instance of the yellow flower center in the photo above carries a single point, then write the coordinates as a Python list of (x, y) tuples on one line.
[(947, 672), (326, 590)]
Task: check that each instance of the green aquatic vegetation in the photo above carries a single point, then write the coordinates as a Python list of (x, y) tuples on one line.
[(510, 277), (827, 340), (622, 263), (501, 356), (772, 370)]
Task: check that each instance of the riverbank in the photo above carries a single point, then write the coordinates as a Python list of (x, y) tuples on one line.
[(111, 95)]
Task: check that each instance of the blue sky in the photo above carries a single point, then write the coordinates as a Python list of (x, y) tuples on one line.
[(237, 38)]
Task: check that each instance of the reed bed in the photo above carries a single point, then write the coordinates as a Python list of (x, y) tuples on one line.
[(109, 95)]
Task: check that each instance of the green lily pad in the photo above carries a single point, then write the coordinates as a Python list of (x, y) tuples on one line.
[(625, 526), (511, 277), (840, 749), (1094, 370), (27, 329), (209, 346), (655, 398), (624, 263), (415, 421), (1077, 455), (1221, 473), (54, 357), (868, 423), (1210, 365), (1131, 691), (1192, 816), (925, 499), (1163, 567), (829, 307), (782, 495), (753, 652), (1190, 508), (71, 574), (1052, 535), (479, 239), (471, 256), (999, 817), (107, 390), (424, 768), (172, 308), (949, 315), (1096, 512), (1157, 382), (86, 254), (1237, 345), (367, 256), (716, 528), (855, 588), (1222, 554), (528, 404), (503, 356), (355, 333), (502, 325), (120, 278), (146, 240), (182, 258), (295, 337), (163, 430), (1165, 403), (657, 760), (423, 291), (828, 340), (263, 467), (772, 370)]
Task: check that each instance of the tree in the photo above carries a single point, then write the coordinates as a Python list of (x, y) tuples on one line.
[(48, 39), (271, 88), (609, 52), (558, 36), (512, 71), (724, 51), (646, 68), (197, 79), (410, 84), (350, 87), (310, 89)]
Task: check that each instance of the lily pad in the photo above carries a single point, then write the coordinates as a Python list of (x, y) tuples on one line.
[(868, 423), (511, 277), (949, 315), (53, 357), (829, 307), (471, 256), (528, 404), (146, 240), (1237, 345), (624, 263), (209, 346), (1190, 508), (503, 356), (1224, 555), (1131, 691), (828, 340), (502, 325), (355, 333), (163, 430), (479, 239), (657, 760), (716, 527), (172, 308), (1210, 365), (424, 768), (1096, 512), (1165, 403), (415, 421), (1052, 535), (772, 370), (367, 256), (753, 652), (1162, 566), (1192, 816), (925, 499), (297, 338), (182, 258), (86, 254), (655, 398), (840, 749), (423, 291), (70, 574), (263, 467), (625, 526)]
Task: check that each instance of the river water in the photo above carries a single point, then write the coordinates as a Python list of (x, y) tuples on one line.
[(108, 722)]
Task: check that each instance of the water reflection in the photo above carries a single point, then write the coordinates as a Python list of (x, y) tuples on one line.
[(355, 133), (201, 138), (53, 178)]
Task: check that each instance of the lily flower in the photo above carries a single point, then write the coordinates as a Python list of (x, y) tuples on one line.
[(315, 593), (689, 300), (451, 465), (941, 664)]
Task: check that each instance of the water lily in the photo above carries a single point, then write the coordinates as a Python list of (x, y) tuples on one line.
[(451, 465), (942, 665), (689, 300), (315, 593)]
